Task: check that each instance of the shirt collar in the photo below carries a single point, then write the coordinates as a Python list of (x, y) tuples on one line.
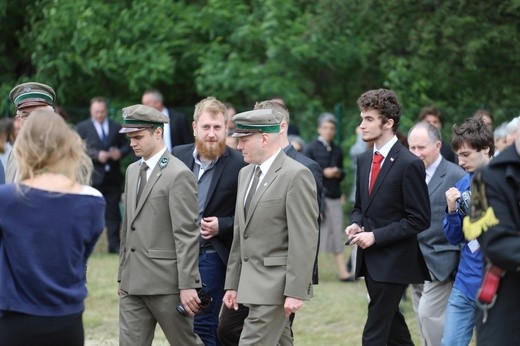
[(430, 171), (152, 161), (385, 149), (197, 160), (268, 163)]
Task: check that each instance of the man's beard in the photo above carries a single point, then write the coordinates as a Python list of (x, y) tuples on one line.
[(204, 150)]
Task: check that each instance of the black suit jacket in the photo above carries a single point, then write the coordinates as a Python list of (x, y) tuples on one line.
[(88, 132), (396, 211), (180, 131), (222, 193)]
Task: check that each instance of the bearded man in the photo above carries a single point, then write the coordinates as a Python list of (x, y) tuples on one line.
[(216, 168)]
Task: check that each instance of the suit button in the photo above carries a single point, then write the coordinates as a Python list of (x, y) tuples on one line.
[(246, 236), (132, 249), (133, 228), (197, 281), (246, 259)]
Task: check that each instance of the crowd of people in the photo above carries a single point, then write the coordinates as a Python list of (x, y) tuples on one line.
[(218, 226)]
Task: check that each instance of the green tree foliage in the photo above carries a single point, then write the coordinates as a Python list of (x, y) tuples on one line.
[(458, 55)]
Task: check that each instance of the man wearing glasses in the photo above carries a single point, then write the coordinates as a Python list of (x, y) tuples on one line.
[(27, 97)]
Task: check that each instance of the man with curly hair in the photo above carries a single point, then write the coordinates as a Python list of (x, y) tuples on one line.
[(392, 206)]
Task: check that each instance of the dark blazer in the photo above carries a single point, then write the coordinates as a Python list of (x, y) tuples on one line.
[(317, 151), (501, 244), (180, 131), (448, 153), (441, 257), (88, 132), (396, 211), (222, 194)]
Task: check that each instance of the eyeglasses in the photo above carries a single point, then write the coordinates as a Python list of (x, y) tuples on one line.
[(21, 115)]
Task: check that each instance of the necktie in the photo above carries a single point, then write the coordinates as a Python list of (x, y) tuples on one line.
[(252, 189), (142, 180), (376, 167), (104, 138)]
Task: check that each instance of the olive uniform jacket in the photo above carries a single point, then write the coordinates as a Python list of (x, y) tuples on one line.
[(274, 246), (159, 244)]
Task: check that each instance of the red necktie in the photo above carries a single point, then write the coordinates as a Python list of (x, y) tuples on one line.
[(376, 167)]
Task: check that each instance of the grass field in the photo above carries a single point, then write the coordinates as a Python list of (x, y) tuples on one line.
[(335, 316)]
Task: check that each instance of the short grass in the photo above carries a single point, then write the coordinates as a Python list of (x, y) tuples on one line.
[(335, 316)]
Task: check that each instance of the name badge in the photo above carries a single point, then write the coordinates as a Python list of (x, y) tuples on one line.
[(473, 246)]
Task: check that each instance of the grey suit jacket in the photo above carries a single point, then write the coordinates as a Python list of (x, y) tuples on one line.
[(441, 257), (159, 245), (274, 246)]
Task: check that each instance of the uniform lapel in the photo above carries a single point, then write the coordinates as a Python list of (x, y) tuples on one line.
[(245, 176), (270, 176), (154, 177)]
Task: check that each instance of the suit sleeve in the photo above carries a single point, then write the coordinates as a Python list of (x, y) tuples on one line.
[(124, 225), (92, 151), (234, 265), (302, 224), (501, 243), (356, 216), (183, 206), (416, 207)]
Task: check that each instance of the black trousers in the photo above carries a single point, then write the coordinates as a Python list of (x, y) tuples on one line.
[(112, 195), (18, 329), (385, 324)]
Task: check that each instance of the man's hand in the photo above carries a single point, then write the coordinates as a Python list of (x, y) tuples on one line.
[(209, 227), (115, 153), (190, 301), (291, 305), (363, 239), (452, 195), (103, 156), (332, 172), (352, 229), (230, 299)]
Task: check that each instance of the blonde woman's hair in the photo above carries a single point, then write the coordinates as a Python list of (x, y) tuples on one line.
[(47, 144)]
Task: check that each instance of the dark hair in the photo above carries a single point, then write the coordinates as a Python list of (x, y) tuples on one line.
[(385, 102), (430, 110), (99, 99), (475, 134)]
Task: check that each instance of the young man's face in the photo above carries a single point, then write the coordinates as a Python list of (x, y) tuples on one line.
[(145, 143), (470, 159), (371, 126), (210, 134)]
